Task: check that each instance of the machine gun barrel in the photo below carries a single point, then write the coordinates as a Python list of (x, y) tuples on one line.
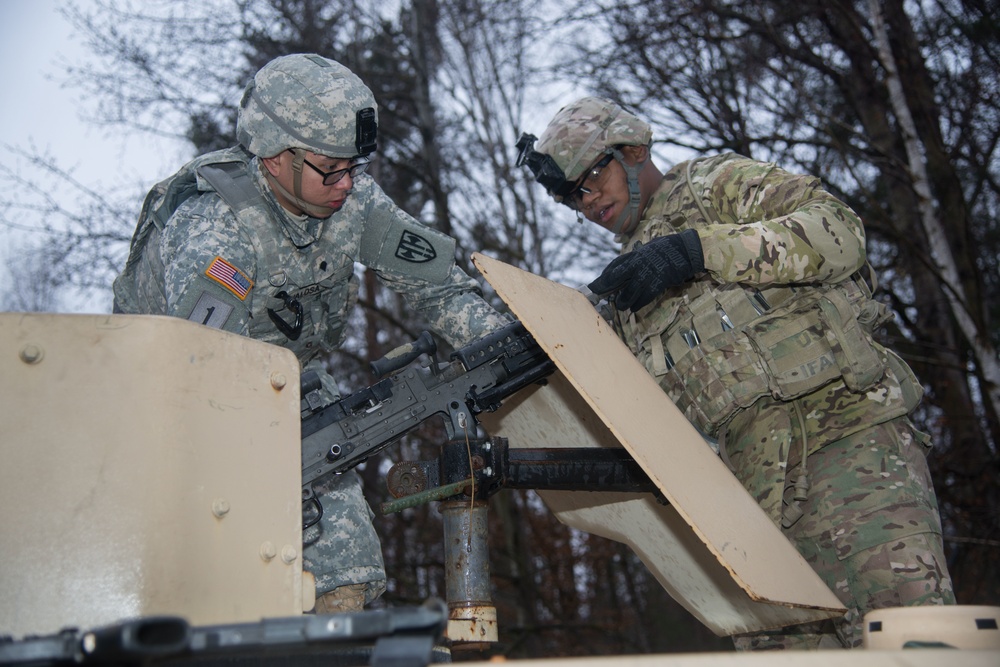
[(478, 378)]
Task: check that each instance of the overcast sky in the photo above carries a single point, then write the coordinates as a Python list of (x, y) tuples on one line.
[(34, 107), (37, 108)]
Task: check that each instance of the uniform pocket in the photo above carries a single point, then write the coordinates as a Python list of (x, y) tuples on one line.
[(812, 341), (871, 488), (711, 386)]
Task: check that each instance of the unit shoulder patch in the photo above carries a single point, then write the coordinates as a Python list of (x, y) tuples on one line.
[(414, 248)]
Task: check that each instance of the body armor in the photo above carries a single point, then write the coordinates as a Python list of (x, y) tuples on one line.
[(304, 286), (717, 347)]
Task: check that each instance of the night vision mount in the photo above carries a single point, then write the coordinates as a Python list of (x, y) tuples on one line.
[(545, 169), (367, 140)]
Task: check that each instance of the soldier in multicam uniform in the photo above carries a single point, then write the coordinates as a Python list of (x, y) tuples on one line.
[(743, 289), (261, 240)]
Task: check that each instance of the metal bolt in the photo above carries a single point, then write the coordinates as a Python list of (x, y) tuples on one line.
[(289, 554), (267, 551), (278, 381), (31, 354), (220, 507)]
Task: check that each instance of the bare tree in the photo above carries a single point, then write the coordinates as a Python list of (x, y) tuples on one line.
[(82, 247), (32, 284)]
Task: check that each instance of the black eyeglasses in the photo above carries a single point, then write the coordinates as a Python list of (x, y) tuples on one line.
[(330, 177)]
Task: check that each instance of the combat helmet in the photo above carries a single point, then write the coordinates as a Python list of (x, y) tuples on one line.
[(577, 137), (305, 102)]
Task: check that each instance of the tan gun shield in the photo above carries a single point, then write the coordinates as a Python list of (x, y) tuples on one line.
[(713, 549)]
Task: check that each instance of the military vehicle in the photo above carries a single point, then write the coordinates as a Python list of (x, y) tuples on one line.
[(155, 474)]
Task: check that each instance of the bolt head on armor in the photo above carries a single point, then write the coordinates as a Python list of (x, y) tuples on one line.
[(307, 101), (581, 132)]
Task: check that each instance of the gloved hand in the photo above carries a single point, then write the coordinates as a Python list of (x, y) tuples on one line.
[(643, 274)]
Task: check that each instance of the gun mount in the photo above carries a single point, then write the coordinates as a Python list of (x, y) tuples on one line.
[(341, 435)]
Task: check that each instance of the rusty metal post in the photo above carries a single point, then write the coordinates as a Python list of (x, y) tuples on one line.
[(472, 618)]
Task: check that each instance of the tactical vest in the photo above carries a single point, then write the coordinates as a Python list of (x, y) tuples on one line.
[(717, 348), (314, 282)]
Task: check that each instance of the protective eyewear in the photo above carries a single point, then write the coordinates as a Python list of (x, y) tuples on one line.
[(358, 167), (592, 176)]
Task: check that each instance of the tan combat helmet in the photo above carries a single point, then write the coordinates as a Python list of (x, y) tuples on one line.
[(577, 138), (304, 102)]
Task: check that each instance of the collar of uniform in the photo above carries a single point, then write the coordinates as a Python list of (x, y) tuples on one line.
[(301, 230)]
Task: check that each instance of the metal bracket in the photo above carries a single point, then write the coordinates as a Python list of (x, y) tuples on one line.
[(488, 465)]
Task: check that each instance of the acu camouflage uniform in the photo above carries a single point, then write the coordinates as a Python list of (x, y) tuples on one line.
[(240, 262), (213, 245), (770, 352)]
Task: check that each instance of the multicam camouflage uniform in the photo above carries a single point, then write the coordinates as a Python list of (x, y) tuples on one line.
[(770, 351), (214, 246)]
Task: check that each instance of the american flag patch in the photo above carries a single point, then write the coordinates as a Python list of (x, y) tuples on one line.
[(229, 277)]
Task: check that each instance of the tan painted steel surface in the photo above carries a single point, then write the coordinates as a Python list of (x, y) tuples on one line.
[(856, 658), (975, 627), (149, 466), (713, 549)]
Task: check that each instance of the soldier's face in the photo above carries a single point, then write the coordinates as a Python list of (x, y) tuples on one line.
[(607, 197), (313, 189), (608, 190)]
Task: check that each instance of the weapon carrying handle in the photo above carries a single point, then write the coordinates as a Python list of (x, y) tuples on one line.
[(403, 355)]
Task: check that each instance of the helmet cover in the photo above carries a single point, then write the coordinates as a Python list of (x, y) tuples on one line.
[(581, 132), (307, 101)]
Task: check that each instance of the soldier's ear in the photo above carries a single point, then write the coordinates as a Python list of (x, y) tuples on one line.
[(272, 164), (636, 153)]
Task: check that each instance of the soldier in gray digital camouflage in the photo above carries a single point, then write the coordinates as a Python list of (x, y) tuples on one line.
[(261, 239), (744, 290)]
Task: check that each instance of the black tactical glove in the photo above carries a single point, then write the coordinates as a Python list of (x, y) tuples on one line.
[(643, 274)]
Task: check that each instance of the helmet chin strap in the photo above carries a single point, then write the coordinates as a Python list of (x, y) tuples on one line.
[(312, 210), (629, 218)]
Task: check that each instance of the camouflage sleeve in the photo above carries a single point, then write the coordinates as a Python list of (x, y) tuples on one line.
[(209, 265), (775, 227), (453, 308), (448, 299)]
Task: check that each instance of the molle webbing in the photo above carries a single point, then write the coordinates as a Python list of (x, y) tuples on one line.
[(719, 348)]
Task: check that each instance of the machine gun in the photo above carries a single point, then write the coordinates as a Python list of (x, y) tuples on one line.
[(478, 378)]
